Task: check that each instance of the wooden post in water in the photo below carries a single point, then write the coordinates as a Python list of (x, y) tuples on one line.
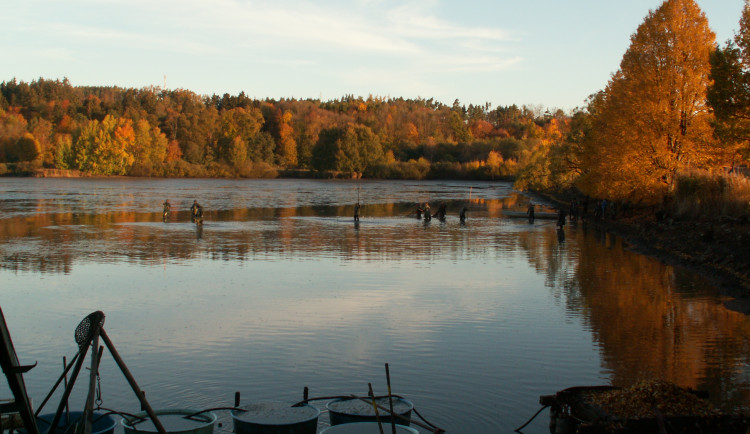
[(59, 380), (88, 410), (375, 406), (66, 393), (390, 398), (133, 383), (65, 383)]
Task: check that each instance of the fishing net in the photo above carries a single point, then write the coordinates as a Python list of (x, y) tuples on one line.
[(84, 332)]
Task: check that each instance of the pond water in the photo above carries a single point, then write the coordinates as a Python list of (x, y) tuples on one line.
[(279, 290)]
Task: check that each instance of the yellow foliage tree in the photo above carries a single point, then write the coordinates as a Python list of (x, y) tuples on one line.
[(653, 120), (149, 147), (106, 147)]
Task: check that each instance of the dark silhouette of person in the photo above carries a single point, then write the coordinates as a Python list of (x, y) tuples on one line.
[(419, 212), (530, 212), (167, 210), (574, 210), (561, 218), (196, 212), (440, 213), (356, 212), (427, 214), (462, 215)]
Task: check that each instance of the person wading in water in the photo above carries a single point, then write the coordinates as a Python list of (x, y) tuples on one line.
[(167, 210), (440, 214), (530, 212), (196, 212)]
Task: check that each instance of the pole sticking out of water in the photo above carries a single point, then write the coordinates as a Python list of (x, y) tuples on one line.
[(390, 398), (375, 406), (65, 376), (133, 385)]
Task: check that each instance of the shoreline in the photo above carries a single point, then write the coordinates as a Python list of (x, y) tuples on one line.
[(717, 250)]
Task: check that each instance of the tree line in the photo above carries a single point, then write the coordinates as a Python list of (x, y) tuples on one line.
[(678, 105), (158, 132)]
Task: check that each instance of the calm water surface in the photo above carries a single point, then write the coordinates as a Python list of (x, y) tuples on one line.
[(280, 290)]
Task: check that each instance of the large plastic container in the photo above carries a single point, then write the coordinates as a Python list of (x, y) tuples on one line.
[(173, 421), (352, 410), (102, 423), (367, 428), (269, 417)]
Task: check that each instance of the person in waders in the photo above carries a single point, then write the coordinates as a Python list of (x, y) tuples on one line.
[(530, 212), (196, 212), (167, 210), (356, 212), (440, 214), (462, 215)]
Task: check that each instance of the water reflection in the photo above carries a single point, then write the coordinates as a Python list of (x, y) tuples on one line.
[(657, 321), (240, 234), (281, 280)]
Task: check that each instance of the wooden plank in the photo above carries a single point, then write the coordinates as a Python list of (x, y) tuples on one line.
[(14, 373)]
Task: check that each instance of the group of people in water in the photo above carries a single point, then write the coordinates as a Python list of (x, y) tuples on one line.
[(424, 210), (196, 212)]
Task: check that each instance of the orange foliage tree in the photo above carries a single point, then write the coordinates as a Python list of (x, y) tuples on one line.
[(653, 120)]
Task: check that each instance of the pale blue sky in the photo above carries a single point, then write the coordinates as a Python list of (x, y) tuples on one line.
[(552, 53)]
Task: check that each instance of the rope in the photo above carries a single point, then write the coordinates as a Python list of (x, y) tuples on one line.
[(428, 424), (532, 418), (192, 415)]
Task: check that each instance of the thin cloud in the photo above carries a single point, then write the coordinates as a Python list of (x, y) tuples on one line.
[(401, 30), (385, 46)]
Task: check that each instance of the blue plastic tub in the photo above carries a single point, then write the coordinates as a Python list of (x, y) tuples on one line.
[(102, 423)]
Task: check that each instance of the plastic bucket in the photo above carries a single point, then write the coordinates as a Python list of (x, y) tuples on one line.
[(353, 410), (174, 422), (270, 417), (367, 428), (102, 423)]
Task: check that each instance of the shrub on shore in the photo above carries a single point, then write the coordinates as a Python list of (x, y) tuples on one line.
[(701, 194)]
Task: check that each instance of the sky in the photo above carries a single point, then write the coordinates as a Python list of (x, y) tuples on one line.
[(543, 53)]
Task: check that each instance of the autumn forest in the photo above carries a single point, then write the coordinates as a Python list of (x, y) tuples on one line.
[(674, 117)]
